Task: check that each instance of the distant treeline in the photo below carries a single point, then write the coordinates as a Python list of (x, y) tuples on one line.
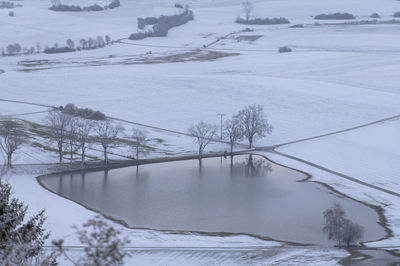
[(84, 44), (58, 6), (6, 4), (262, 21), (335, 16), (161, 25)]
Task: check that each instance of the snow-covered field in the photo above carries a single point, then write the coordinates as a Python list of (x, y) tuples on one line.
[(337, 77)]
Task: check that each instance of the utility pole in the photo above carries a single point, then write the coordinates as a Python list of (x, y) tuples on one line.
[(221, 115)]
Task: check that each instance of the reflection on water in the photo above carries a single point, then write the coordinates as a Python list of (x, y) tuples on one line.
[(255, 167), (241, 194)]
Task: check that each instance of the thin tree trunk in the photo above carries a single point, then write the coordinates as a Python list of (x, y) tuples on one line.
[(83, 154), (71, 155), (9, 159), (105, 156), (60, 154)]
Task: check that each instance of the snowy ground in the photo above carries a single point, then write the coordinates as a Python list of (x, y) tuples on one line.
[(337, 77), (368, 154)]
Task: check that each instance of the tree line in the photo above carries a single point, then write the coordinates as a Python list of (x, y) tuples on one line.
[(250, 123), (56, 5), (69, 46), (162, 24), (71, 130)]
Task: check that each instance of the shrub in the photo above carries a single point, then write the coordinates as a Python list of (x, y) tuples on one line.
[(262, 21), (375, 15), (335, 16), (284, 49), (87, 113), (177, 5), (104, 245), (248, 30), (94, 7), (11, 14), (397, 14), (297, 26)]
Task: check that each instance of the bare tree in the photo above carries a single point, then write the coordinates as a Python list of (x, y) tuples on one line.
[(203, 134), (12, 137), (104, 245), (107, 133), (108, 39), (339, 228), (72, 137), (90, 42), (334, 220), (57, 123), (255, 124), (84, 43), (84, 128), (234, 131), (70, 44), (247, 8), (352, 232), (140, 143)]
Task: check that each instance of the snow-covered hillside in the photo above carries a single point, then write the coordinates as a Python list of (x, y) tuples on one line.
[(338, 76)]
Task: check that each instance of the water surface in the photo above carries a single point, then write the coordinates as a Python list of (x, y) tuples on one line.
[(248, 195)]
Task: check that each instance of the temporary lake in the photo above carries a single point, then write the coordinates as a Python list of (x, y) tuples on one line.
[(249, 195)]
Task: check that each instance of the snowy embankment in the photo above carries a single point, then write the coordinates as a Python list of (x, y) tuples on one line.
[(369, 154)]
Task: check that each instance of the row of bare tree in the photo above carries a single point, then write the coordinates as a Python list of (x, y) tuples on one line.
[(250, 123), (75, 134), (69, 134)]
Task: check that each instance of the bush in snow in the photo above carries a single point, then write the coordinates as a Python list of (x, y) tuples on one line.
[(177, 5), (297, 26), (335, 16), (94, 7), (11, 14), (161, 25), (262, 21), (375, 15), (397, 14), (86, 113), (103, 244), (284, 49)]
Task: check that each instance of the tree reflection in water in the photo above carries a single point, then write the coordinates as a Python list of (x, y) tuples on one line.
[(251, 167)]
